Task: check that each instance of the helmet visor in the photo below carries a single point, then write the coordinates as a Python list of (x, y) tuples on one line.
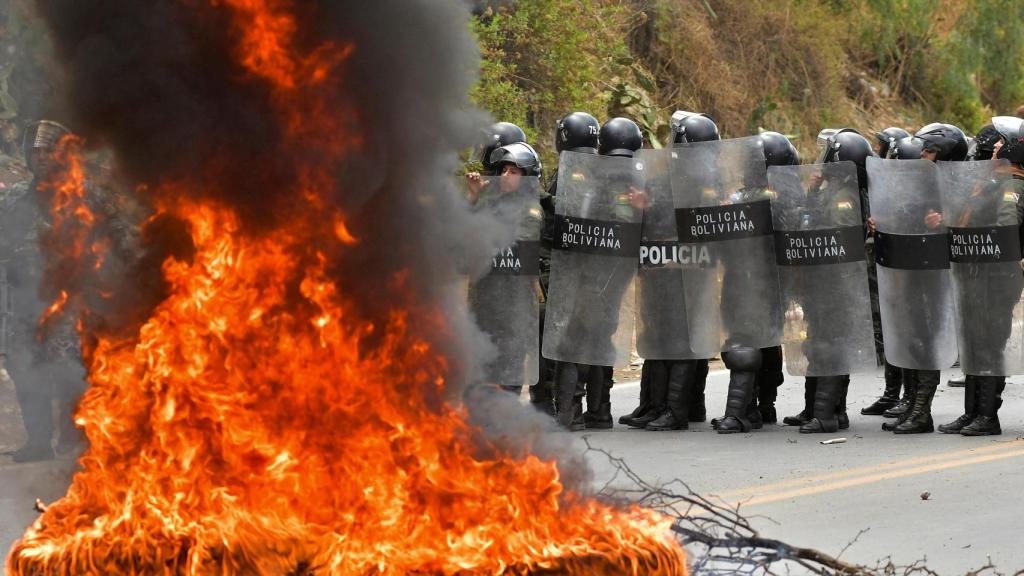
[(1009, 127)]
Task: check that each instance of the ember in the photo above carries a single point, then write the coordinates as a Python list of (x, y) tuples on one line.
[(284, 407)]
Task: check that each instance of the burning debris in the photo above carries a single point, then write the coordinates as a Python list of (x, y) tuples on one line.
[(272, 374)]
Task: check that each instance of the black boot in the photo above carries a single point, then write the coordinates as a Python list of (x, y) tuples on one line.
[(754, 409), (653, 378), (569, 396), (807, 414), (919, 420), (768, 381), (970, 408), (698, 409), (826, 397), (903, 406), (990, 390), (542, 399), (599, 404), (841, 416), (680, 382), (645, 395), (909, 393), (737, 406), (890, 396)]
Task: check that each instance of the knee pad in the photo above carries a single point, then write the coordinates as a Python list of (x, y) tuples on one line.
[(743, 359)]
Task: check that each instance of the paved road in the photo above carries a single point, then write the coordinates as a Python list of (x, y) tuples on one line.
[(801, 491), (823, 495)]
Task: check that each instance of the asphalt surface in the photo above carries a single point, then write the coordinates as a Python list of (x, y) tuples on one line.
[(792, 487), (823, 496)]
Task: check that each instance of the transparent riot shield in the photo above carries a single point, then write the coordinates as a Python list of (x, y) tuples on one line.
[(980, 208), (589, 312), (505, 301), (661, 328), (915, 289), (724, 223), (819, 247)]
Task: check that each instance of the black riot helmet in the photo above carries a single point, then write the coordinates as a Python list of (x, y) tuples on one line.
[(620, 137), (519, 154), (778, 150), (693, 127), (984, 143), (844, 144), (947, 141), (499, 134), (1011, 130), (907, 148), (577, 132), (886, 138)]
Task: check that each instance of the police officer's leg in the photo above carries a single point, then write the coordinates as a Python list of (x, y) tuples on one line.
[(541, 393), (69, 386), (768, 381), (807, 413), (651, 376), (680, 376), (826, 396), (990, 390), (970, 407), (909, 379), (569, 396), (35, 396), (841, 415), (599, 410), (890, 395), (743, 364), (698, 407), (919, 418)]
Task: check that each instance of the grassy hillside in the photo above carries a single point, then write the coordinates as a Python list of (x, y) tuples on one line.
[(794, 66)]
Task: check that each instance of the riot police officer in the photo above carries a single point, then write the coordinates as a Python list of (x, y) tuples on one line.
[(618, 137), (671, 389), (574, 132), (993, 202), (504, 301), (825, 396), (778, 151), (48, 370), (939, 142)]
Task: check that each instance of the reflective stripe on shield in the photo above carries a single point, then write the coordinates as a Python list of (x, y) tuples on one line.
[(915, 289), (589, 312), (723, 217), (981, 206), (819, 245), (505, 300)]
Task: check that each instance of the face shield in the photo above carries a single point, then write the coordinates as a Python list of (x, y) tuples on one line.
[(1009, 127), (677, 124), (827, 144)]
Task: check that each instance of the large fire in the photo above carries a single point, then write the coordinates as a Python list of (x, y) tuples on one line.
[(256, 423)]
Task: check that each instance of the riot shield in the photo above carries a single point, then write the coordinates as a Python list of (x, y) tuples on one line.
[(724, 222), (819, 247), (505, 300), (915, 290), (979, 206), (661, 328), (589, 312)]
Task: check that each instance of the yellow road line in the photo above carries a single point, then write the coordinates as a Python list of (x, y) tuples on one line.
[(881, 476), (873, 468)]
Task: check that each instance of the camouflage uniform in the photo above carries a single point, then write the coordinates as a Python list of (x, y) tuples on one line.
[(40, 370)]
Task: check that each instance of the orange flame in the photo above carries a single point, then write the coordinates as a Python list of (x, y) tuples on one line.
[(255, 424)]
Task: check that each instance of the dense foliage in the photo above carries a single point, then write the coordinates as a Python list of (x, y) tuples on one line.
[(794, 66)]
